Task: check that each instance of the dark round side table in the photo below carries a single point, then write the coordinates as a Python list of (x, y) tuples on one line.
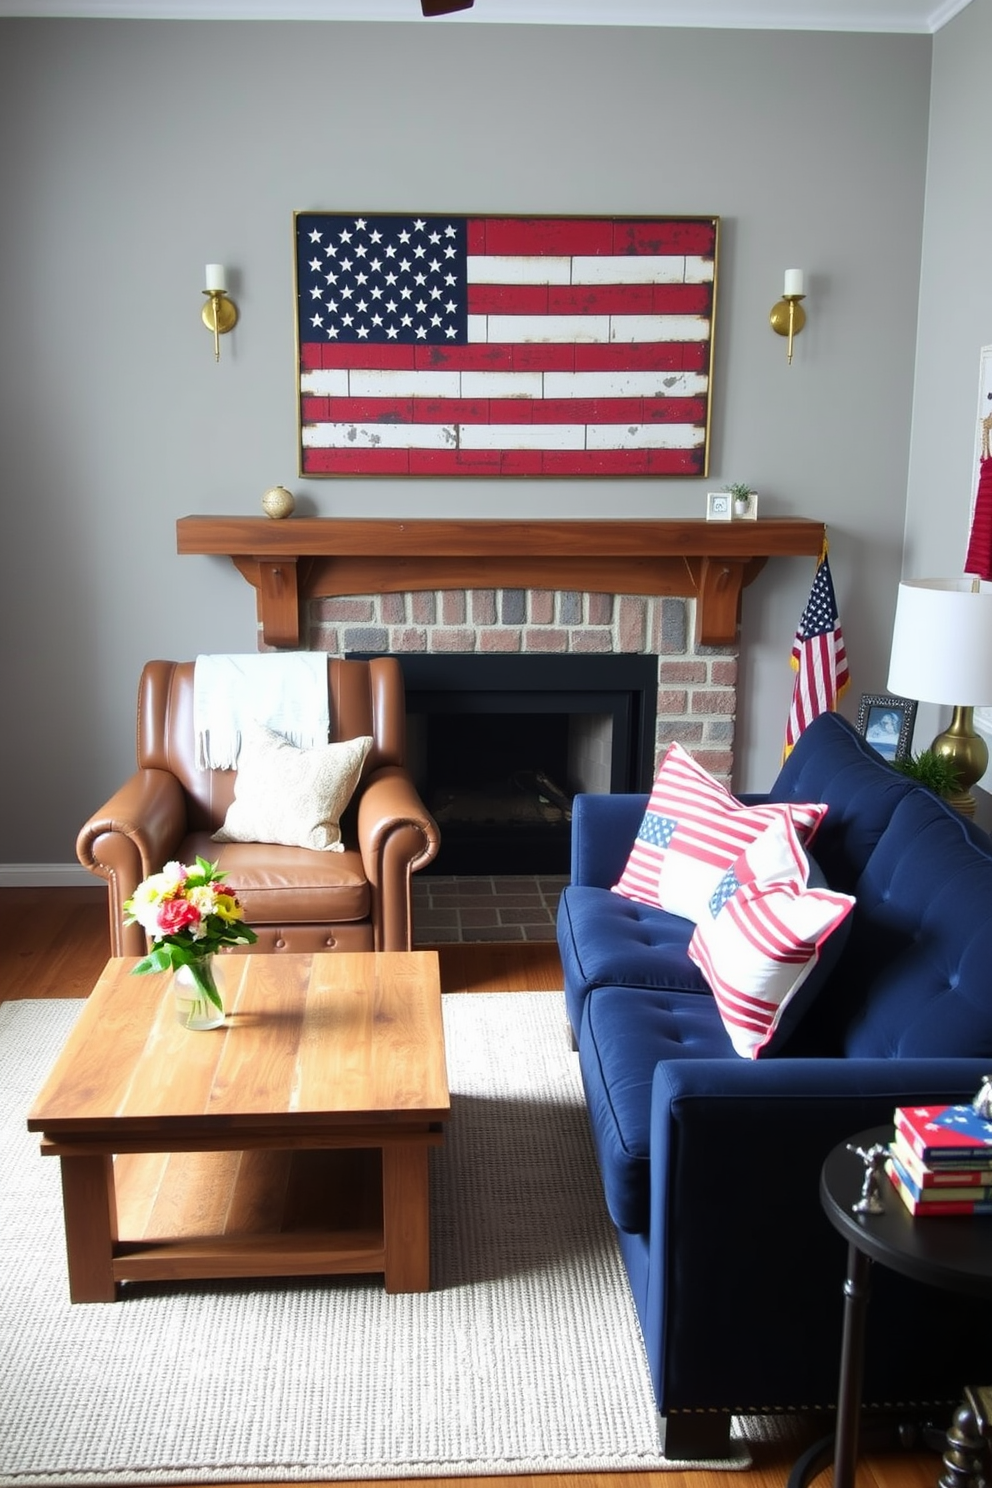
[(953, 1252)]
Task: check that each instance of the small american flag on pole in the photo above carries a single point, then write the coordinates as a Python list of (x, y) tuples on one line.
[(481, 346), (818, 657)]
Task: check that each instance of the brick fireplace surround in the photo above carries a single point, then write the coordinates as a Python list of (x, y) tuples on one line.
[(696, 703), (697, 685)]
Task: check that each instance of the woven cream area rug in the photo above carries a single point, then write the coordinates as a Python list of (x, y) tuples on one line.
[(525, 1357)]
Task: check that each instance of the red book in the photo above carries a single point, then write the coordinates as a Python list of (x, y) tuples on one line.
[(934, 1208), (945, 1132), (958, 1172)]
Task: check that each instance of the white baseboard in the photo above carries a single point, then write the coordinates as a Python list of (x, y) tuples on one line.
[(47, 876)]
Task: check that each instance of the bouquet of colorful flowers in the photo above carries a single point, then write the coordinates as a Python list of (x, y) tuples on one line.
[(189, 914)]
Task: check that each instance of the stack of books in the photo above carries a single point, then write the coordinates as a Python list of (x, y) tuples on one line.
[(940, 1161)]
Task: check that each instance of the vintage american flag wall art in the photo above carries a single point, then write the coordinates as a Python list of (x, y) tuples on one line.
[(504, 346)]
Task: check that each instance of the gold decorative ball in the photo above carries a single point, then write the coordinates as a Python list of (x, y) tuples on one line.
[(278, 502)]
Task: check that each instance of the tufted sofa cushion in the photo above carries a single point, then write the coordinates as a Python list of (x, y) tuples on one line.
[(606, 939), (625, 1032), (912, 980), (922, 946)]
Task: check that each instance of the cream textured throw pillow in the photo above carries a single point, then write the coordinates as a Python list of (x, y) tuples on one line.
[(294, 797)]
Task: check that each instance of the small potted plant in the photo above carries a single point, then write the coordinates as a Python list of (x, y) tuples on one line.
[(932, 770), (742, 497)]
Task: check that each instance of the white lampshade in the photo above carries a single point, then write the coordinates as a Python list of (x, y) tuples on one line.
[(942, 642)]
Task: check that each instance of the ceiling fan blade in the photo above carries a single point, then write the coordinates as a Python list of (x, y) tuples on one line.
[(444, 7)]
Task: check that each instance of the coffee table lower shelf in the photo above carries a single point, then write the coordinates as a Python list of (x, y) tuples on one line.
[(236, 1213)]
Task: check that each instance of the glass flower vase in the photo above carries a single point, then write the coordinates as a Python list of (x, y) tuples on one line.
[(199, 994)]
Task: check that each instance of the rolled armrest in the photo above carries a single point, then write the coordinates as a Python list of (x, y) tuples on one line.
[(397, 836), (809, 1082), (132, 835), (785, 1111)]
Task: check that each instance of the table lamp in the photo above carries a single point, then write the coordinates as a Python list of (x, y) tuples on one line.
[(942, 653)]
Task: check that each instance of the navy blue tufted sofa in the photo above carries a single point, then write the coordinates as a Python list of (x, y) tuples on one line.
[(710, 1163)]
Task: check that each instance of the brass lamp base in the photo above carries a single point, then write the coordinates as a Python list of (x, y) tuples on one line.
[(967, 752)]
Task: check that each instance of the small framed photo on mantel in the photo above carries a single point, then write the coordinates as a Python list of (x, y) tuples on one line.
[(725, 506)]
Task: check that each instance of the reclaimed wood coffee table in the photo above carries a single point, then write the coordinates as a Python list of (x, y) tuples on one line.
[(292, 1141)]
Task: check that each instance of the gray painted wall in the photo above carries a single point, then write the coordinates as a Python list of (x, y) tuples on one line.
[(955, 319), (136, 151)]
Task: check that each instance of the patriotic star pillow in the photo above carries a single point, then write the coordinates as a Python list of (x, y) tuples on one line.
[(768, 941), (692, 831)]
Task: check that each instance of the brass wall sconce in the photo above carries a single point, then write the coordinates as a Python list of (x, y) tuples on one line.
[(219, 314), (788, 317)]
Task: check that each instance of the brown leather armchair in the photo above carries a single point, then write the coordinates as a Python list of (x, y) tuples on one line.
[(296, 899)]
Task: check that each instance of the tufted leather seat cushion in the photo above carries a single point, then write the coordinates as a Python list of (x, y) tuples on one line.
[(287, 885)]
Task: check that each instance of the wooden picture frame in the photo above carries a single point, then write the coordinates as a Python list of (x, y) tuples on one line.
[(887, 723)]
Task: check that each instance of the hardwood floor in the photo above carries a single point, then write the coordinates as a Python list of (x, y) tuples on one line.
[(53, 943)]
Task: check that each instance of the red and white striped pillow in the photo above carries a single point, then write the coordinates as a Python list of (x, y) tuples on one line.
[(763, 938), (691, 833)]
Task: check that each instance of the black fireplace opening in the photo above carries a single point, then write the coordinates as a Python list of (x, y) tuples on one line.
[(499, 745)]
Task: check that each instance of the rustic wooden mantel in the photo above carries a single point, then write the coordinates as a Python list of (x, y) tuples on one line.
[(300, 558)]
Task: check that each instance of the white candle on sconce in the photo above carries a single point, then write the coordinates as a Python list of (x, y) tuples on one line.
[(216, 278), (788, 316)]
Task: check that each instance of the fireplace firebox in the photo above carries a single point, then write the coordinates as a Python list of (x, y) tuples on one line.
[(499, 744)]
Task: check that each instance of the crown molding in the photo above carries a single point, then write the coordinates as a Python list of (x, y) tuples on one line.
[(946, 11), (906, 16)]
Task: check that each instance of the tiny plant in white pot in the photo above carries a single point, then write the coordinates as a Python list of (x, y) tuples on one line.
[(742, 494)]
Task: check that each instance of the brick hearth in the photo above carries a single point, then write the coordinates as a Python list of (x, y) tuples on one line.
[(485, 908)]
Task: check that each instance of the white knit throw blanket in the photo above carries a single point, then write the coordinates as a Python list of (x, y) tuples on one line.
[(285, 691)]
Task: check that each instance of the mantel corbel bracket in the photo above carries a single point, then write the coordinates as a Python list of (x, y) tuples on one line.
[(719, 585), (277, 583)]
